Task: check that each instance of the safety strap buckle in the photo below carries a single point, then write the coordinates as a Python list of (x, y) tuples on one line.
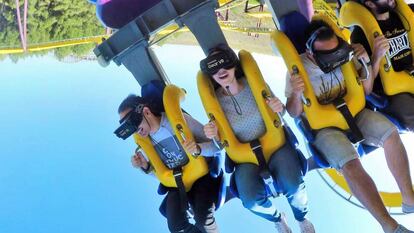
[(269, 182), (256, 147), (341, 105), (264, 171), (177, 173)]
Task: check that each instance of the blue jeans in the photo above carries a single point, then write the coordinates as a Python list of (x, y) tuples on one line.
[(284, 165)]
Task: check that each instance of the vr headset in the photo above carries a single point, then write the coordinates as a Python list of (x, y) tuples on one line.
[(223, 58), (130, 122), (329, 60)]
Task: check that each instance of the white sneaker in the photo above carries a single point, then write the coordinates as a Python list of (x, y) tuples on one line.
[(306, 226), (282, 226), (407, 209)]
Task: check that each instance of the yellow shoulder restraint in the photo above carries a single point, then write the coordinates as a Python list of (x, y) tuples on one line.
[(258, 151), (184, 177), (322, 116), (355, 14)]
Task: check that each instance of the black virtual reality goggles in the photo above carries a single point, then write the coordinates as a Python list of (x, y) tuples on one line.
[(130, 122), (329, 60), (220, 59)]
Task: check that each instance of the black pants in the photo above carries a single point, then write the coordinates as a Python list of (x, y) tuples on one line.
[(201, 197), (401, 107)]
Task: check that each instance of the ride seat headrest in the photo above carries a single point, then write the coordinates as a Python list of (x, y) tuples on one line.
[(294, 25), (152, 92), (118, 13)]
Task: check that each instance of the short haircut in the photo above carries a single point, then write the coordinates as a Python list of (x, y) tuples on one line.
[(362, 2), (317, 30), (325, 34)]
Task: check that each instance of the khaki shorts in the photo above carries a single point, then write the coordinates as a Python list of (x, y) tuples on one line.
[(338, 150)]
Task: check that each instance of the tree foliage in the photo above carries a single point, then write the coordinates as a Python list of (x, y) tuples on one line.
[(50, 20)]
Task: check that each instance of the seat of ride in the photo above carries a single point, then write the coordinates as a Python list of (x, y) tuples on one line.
[(391, 199), (355, 14), (299, 23), (153, 93), (274, 124), (366, 21)]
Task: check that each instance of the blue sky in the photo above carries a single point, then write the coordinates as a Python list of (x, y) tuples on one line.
[(62, 169)]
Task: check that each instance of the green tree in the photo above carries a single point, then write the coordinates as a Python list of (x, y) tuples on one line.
[(50, 20)]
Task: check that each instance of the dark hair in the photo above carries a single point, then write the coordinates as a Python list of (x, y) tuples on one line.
[(364, 1), (225, 48), (130, 102), (324, 34)]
